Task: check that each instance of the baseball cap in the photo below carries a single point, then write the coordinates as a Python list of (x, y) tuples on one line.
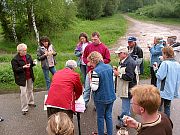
[(121, 49), (130, 39)]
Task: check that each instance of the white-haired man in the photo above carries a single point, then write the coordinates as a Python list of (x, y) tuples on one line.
[(65, 88), (126, 79), (22, 65)]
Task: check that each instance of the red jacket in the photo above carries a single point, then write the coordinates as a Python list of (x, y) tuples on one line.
[(65, 89)]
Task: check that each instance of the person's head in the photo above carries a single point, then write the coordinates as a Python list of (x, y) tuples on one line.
[(83, 37), (122, 52), (60, 124), (22, 49), (44, 41), (145, 99), (131, 42), (95, 37), (157, 40), (171, 40), (72, 64), (167, 52), (94, 58)]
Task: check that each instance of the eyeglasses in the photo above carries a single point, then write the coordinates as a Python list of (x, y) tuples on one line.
[(134, 103)]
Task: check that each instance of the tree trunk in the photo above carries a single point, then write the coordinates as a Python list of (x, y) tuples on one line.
[(34, 25), (14, 26)]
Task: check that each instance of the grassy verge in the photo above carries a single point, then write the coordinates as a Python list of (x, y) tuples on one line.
[(168, 21)]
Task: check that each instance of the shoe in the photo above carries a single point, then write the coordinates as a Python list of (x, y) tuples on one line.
[(95, 133), (24, 112), (1, 119), (31, 105)]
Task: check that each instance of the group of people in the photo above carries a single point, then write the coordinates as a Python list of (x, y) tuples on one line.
[(93, 60)]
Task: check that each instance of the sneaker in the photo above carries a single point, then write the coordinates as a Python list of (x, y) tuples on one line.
[(1, 119), (31, 105), (24, 112)]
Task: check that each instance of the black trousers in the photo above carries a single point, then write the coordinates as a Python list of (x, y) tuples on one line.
[(153, 77), (51, 110)]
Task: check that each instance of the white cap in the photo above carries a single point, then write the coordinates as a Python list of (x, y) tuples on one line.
[(122, 49)]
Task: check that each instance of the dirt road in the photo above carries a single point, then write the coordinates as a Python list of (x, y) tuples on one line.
[(145, 32)]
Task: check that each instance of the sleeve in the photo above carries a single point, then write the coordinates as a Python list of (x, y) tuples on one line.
[(162, 71), (77, 87), (54, 51), (15, 66), (156, 51), (40, 54), (106, 57), (94, 81), (129, 72)]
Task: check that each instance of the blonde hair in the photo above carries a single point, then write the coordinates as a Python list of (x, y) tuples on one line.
[(168, 51), (21, 46), (147, 96), (95, 57), (60, 124)]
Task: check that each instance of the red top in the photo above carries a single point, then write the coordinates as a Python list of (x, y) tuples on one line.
[(65, 89), (101, 48), (27, 70)]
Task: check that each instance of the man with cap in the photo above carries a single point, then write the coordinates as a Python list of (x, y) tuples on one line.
[(126, 79), (136, 53)]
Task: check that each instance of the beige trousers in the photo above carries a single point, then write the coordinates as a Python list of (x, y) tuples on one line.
[(27, 96)]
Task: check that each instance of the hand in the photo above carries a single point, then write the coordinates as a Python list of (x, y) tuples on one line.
[(50, 53), (161, 58), (26, 66), (46, 53), (116, 73), (35, 61), (155, 66), (130, 122)]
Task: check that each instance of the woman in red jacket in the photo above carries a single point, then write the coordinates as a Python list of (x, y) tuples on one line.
[(65, 88)]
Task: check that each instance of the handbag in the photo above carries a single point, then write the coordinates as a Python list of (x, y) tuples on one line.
[(80, 104)]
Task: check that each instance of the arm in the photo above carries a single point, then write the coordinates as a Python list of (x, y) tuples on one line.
[(41, 55), (156, 50), (106, 57), (94, 81), (77, 87), (129, 72), (16, 67), (54, 51), (162, 71)]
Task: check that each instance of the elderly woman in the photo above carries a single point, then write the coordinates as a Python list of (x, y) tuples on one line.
[(46, 54), (103, 92), (22, 65), (60, 124), (168, 79)]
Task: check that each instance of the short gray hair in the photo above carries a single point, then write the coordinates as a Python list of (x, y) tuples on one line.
[(21, 46), (71, 64)]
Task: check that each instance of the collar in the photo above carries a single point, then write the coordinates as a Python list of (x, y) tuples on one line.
[(153, 123)]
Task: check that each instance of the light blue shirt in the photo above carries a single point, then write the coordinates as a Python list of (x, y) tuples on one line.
[(169, 69)]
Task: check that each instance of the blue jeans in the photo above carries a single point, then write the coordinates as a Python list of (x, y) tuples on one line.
[(46, 75), (87, 90), (125, 107), (104, 111), (167, 106)]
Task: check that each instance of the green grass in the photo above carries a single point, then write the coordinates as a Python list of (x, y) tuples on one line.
[(168, 21), (110, 28)]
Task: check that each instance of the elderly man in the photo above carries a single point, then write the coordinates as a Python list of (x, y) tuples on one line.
[(145, 102), (126, 79), (98, 46), (22, 65), (64, 90), (136, 53)]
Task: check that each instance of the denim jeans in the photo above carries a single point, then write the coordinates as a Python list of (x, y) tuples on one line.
[(104, 111), (125, 107), (83, 69), (87, 90), (46, 75), (167, 106)]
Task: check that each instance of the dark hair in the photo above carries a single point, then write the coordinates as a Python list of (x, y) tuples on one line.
[(44, 39), (95, 34), (83, 34)]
